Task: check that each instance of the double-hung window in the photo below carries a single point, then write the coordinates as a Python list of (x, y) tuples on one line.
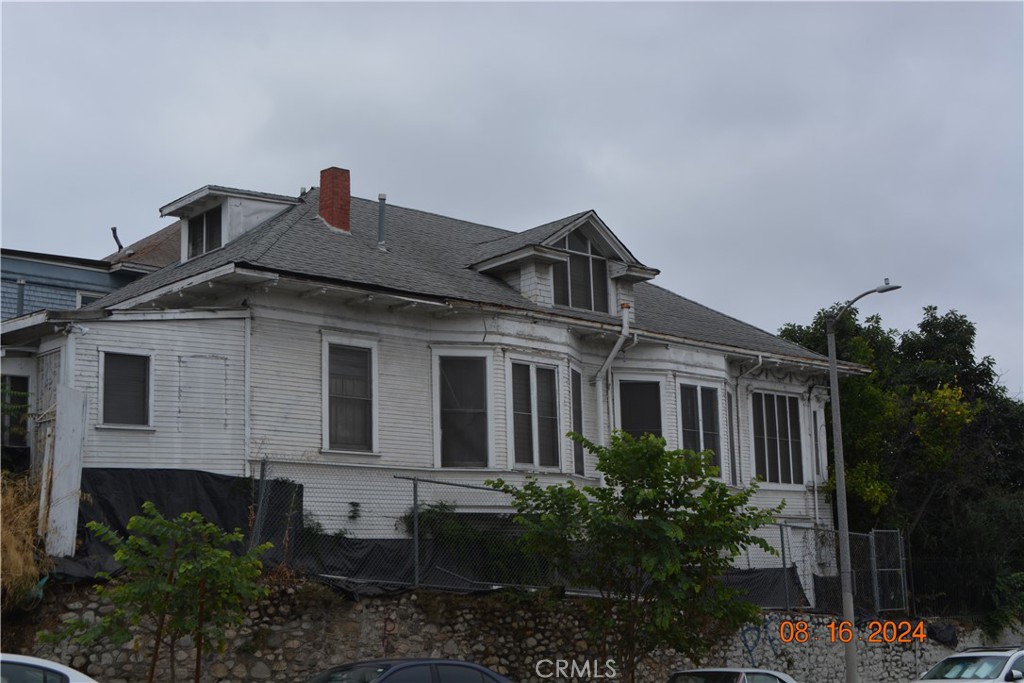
[(535, 415), (204, 232), (350, 398), (577, 421), (463, 406), (778, 454), (698, 406), (126, 391), (582, 280), (640, 407)]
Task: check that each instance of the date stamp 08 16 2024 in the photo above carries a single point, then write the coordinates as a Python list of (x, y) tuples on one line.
[(879, 632)]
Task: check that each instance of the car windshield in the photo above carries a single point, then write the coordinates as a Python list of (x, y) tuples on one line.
[(354, 673), (706, 677), (967, 668)]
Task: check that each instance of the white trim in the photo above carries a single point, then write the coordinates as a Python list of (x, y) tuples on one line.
[(150, 389), (802, 415), (179, 285), (436, 353), (574, 366), (532, 363), (84, 292), (330, 338)]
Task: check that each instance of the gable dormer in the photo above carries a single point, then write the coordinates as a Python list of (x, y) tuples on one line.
[(213, 215), (576, 263)]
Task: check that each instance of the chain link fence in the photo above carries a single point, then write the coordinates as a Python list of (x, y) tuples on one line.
[(370, 531)]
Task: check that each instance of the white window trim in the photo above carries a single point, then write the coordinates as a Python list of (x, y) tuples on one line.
[(186, 234), (619, 377), (570, 465), (327, 340), (723, 425), (150, 388), (803, 409), (82, 292), (435, 368), (533, 364)]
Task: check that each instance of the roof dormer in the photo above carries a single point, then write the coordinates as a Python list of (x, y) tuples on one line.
[(576, 262), (213, 215)]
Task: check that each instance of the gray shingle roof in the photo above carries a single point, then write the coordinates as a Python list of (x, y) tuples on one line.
[(428, 256)]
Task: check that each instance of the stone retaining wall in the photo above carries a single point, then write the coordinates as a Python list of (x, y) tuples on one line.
[(303, 628)]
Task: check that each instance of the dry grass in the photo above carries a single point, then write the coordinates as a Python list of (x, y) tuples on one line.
[(22, 561)]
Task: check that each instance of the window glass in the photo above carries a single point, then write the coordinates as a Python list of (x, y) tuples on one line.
[(582, 282), (577, 421), (778, 456), (762, 678), (463, 393), (522, 413), (410, 674), (350, 394), (204, 233), (535, 410), (453, 673), (125, 389), (640, 408), (13, 672), (547, 417)]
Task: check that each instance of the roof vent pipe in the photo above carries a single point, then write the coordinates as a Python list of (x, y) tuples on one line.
[(382, 200)]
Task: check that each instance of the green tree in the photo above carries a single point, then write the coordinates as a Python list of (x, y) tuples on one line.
[(934, 446), (654, 541), (181, 578)]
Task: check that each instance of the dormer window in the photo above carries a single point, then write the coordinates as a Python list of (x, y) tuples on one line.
[(582, 281), (204, 232)]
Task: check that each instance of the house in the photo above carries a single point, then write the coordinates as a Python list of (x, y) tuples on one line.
[(348, 342)]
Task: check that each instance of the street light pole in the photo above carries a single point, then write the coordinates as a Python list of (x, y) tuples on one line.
[(845, 566)]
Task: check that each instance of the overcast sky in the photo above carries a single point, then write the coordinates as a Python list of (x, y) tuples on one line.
[(770, 159)]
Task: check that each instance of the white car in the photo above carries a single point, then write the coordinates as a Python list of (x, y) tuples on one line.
[(980, 665), (24, 669), (729, 675)]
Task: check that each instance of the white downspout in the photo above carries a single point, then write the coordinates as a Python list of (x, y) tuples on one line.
[(603, 375)]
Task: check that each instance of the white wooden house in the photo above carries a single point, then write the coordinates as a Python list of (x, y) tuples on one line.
[(348, 341)]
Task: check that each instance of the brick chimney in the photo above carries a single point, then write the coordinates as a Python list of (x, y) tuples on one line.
[(335, 197)]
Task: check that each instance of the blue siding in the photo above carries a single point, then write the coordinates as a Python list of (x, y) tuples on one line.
[(50, 285)]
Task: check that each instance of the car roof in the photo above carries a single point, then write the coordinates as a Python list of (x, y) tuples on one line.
[(75, 676)]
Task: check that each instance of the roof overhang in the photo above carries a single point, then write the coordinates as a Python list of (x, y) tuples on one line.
[(210, 195), (533, 252)]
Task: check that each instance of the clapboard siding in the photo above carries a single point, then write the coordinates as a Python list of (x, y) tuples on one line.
[(198, 394)]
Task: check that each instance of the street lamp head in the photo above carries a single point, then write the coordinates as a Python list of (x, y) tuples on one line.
[(886, 287)]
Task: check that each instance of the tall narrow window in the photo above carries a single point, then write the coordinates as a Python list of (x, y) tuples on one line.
[(463, 396), (778, 455), (535, 411), (582, 281), (350, 397), (125, 389), (204, 232), (699, 408), (640, 408), (577, 422)]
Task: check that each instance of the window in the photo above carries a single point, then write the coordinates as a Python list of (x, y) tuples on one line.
[(699, 408), (640, 407), (778, 456), (582, 281), (419, 673), (204, 232), (86, 298), (125, 389), (453, 673), (577, 421), (463, 405), (14, 418), (16, 672), (350, 398), (535, 415)]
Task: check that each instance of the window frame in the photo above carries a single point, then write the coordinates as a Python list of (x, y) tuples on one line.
[(591, 255), (579, 453), (327, 340), (101, 422), (206, 248), (437, 353), (534, 365), (658, 379), (702, 386), (82, 293), (802, 420)]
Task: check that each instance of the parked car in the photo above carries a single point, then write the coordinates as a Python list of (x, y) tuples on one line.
[(24, 669), (980, 665), (730, 675), (409, 671)]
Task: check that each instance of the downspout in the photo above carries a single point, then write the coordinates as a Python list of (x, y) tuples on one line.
[(603, 375), (739, 441)]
